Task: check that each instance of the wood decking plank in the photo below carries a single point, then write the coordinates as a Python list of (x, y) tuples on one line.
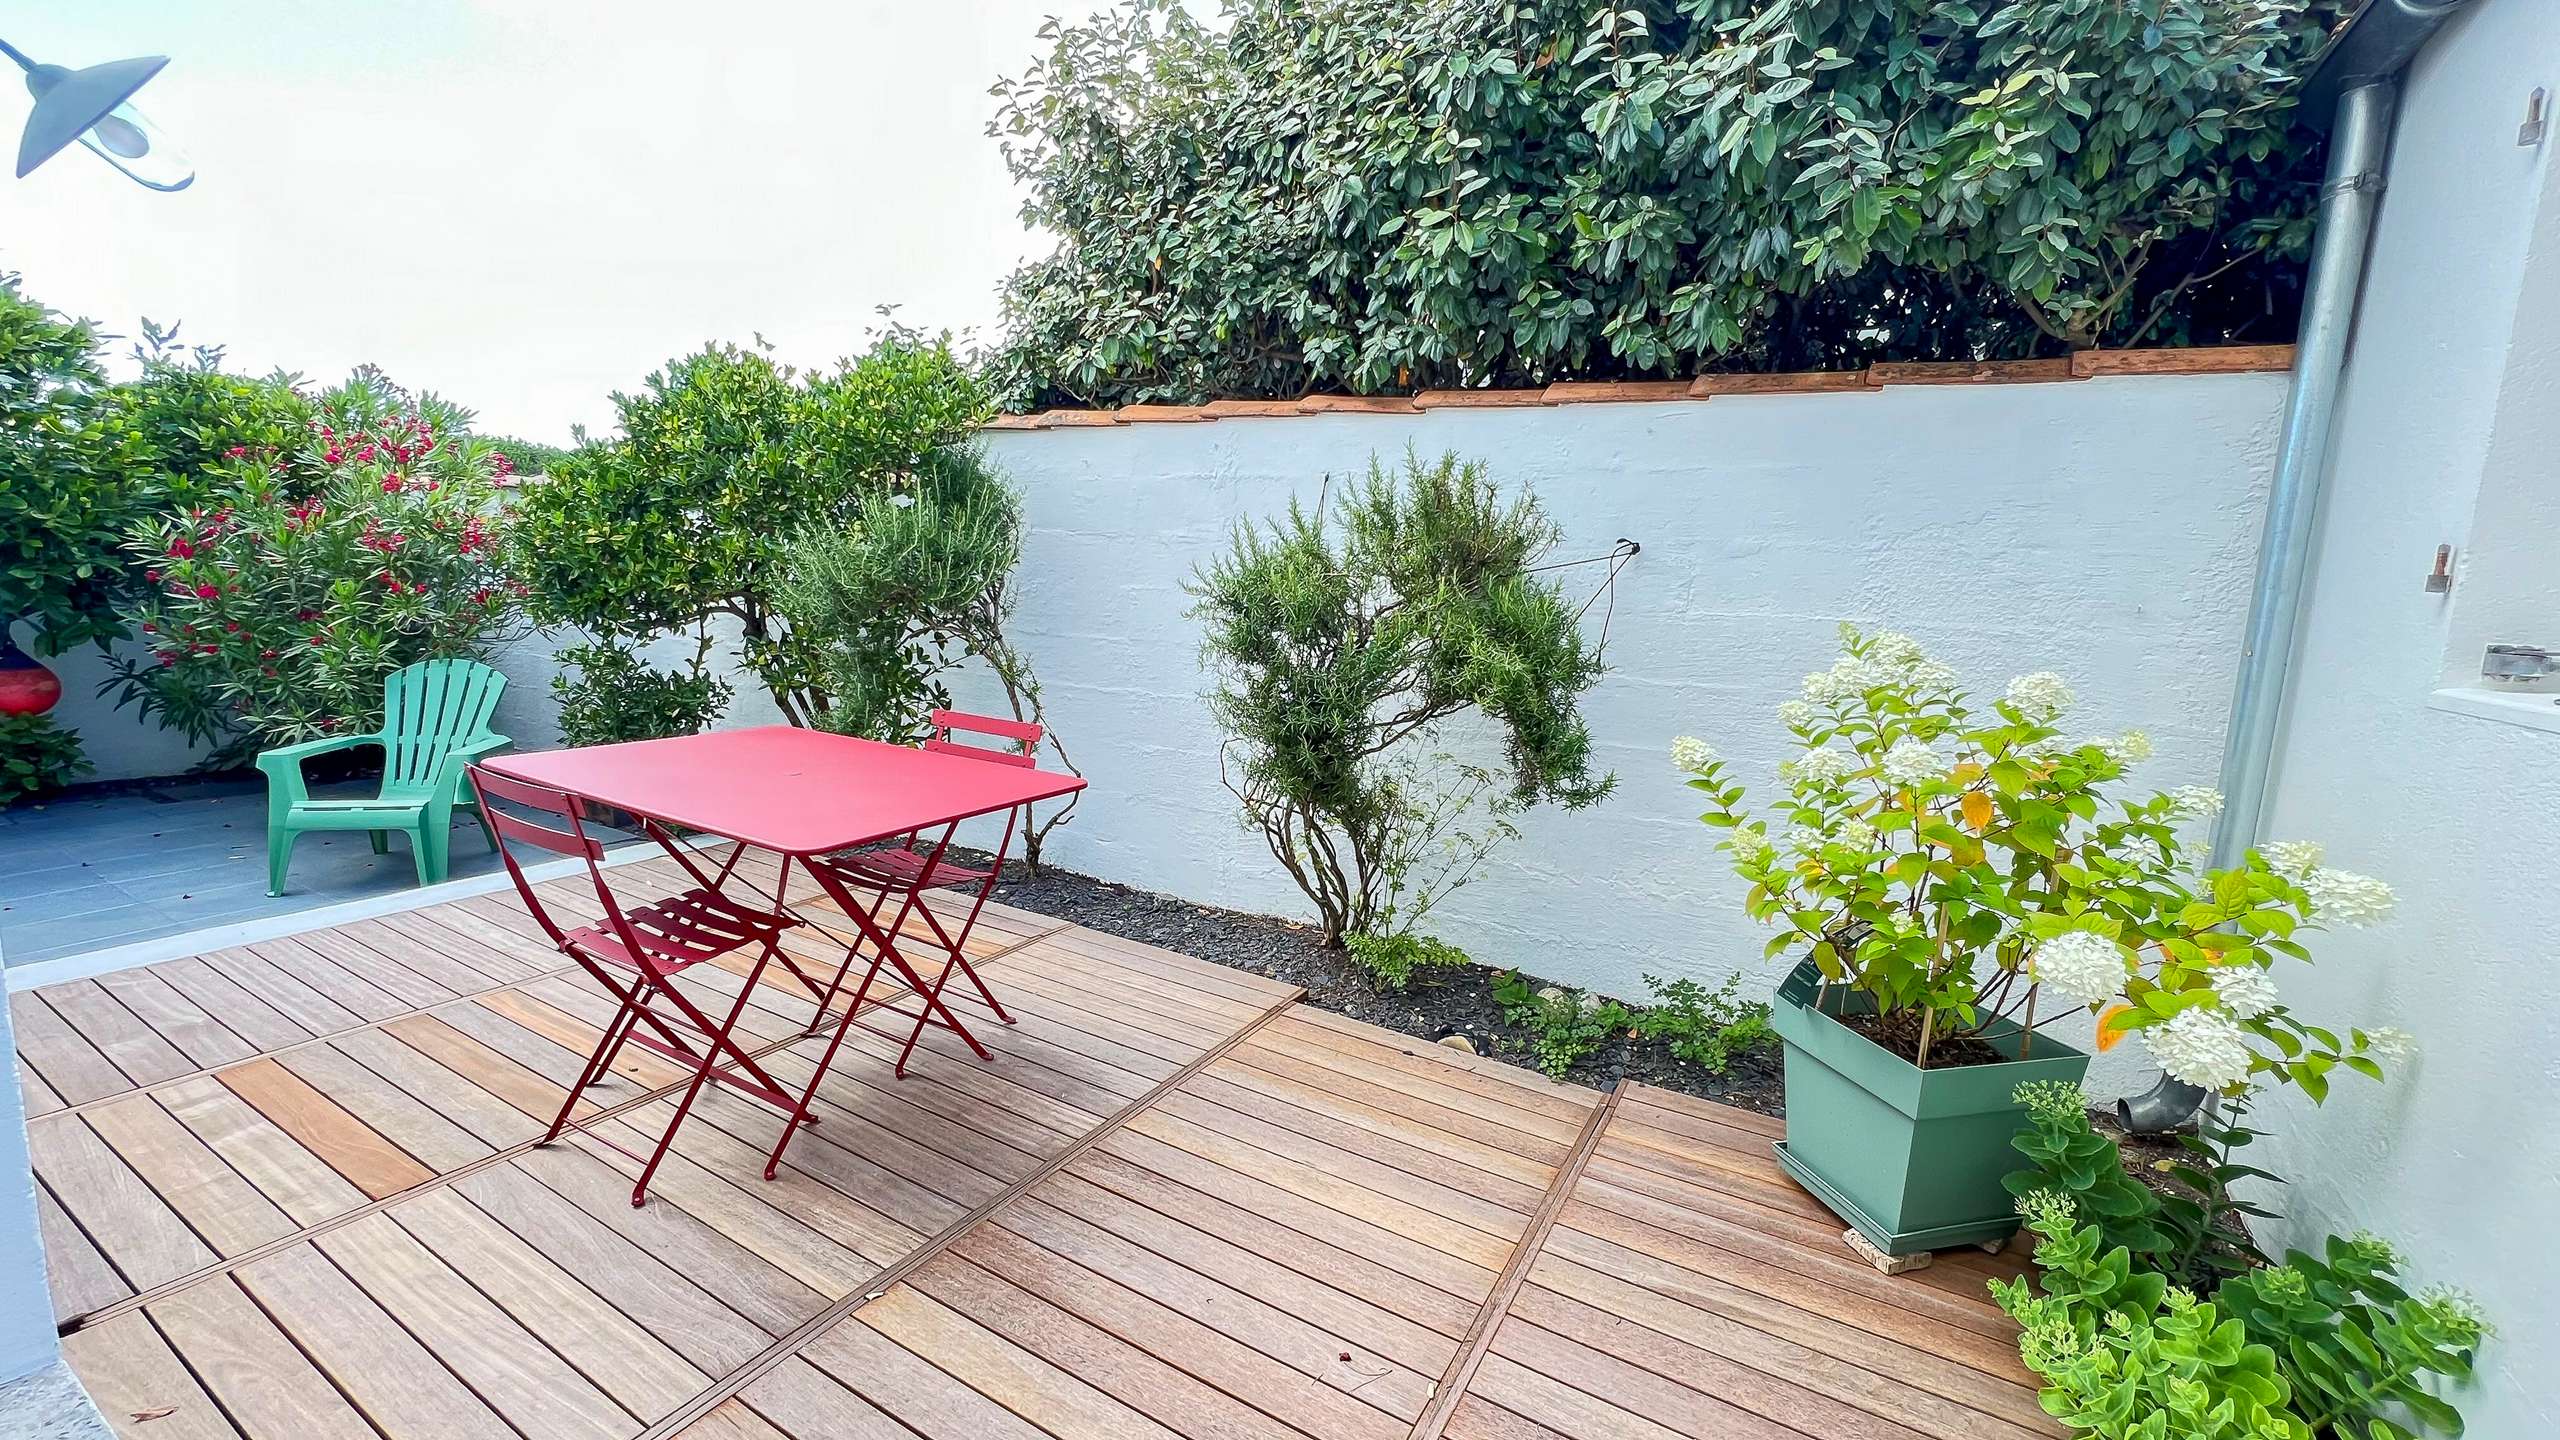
[(520, 1377), (537, 1097), (76, 1070), (280, 990), (1349, 1316), (345, 985), (146, 1240), (763, 1293), (614, 1352), (385, 1108), (732, 1420), (1303, 1207), (255, 1021), (1294, 1340), (1476, 1419), (420, 974), (78, 1278), (226, 1211), (644, 1069), (205, 1041), (1336, 1262), (489, 1119), (35, 1096), (300, 1183), (815, 1258), (807, 1405), (708, 1334), (392, 1378), (256, 1374), (1016, 1379), (1613, 1357), (119, 1034), (369, 1162), (140, 1385), (1873, 1372), (1104, 1361), (909, 1390)]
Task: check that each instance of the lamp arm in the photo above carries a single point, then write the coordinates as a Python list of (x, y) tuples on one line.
[(14, 53)]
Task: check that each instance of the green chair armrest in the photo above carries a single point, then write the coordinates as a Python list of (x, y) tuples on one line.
[(283, 767), (292, 756), (449, 772)]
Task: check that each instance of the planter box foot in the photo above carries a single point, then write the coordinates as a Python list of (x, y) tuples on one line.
[(1865, 1249)]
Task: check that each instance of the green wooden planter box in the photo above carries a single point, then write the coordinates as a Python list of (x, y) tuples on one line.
[(1912, 1158)]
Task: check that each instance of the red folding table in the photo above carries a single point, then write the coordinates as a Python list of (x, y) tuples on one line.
[(802, 794)]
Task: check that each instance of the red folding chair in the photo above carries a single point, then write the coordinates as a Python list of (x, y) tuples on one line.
[(908, 868), (648, 945)]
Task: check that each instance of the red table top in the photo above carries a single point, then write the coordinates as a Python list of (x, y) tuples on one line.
[(783, 788)]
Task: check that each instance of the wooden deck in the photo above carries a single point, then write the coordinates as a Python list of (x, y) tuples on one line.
[(289, 1190)]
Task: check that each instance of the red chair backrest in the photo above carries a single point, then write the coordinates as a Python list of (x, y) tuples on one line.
[(513, 830), (1017, 732)]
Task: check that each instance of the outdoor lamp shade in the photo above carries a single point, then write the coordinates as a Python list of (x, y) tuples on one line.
[(93, 106)]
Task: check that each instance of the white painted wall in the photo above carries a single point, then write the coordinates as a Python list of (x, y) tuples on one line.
[(2451, 418), (2102, 528), (27, 1341)]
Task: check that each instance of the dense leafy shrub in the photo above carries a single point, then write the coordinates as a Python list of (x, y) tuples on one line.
[(915, 583), (74, 472), (608, 694), (1336, 643), (1703, 1027), (722, 457), (194, 416), (280, 604), (1377, 194), (2327, 1347), (36, 757)]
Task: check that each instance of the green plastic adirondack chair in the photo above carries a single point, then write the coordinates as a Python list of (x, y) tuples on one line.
[(435, 721)]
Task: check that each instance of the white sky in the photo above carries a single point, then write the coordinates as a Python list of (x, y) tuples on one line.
[(527, 204)]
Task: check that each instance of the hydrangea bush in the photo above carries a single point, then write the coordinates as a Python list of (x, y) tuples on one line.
[(1959, 863), (279, 605)]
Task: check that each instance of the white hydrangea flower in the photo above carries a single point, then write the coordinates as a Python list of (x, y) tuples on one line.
[(2391, 1045), (2245, 990), (1692, 754), (2196, 802), (1752, 847), (2132, 748), (2042, 696), (1931, 675), (2202, 1046), (1795, 715), (1857, 835), (2293, 857), (2141, 851), (1892, 647), (1910, 762), (2343, 897), (1805, 840), (1821, 764), (1827, 687), (2082, 966)]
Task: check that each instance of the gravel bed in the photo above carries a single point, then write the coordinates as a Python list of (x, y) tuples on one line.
[(1439, 1005)]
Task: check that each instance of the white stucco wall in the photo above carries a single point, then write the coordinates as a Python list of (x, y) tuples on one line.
[(27, 1342), (2102, 528), (2450, 420)]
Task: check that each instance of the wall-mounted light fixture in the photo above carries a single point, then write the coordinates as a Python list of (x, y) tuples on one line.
[(95, 107)]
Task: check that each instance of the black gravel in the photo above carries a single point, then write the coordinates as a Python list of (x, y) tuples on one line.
[(1441, 1004)]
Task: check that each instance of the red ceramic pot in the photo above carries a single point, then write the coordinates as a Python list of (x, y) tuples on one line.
[(26, 687)]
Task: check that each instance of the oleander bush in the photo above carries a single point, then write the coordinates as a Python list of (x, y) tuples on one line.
[(279, 603)]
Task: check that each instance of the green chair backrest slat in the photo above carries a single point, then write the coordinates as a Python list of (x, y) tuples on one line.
[(427, 709)]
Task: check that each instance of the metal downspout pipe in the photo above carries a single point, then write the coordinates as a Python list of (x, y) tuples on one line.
[(2363, 69)]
